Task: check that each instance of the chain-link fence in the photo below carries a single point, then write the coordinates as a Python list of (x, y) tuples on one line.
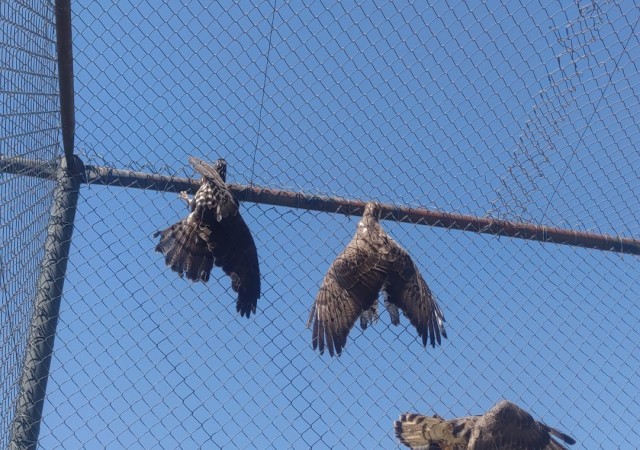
[(29, 128), (521, 112)]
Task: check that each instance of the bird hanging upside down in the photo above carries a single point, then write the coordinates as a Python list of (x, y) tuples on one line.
[(372, 262), (214, 233)]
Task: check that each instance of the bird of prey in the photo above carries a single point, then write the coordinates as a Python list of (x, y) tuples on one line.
[(372, 262), (214, 234), (506, 426)]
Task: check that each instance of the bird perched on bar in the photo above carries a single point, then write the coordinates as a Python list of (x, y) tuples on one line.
[(506, 426), (372, 262), (214, 233)]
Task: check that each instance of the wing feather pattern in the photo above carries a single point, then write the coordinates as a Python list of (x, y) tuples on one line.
[(214, 233), (420, 432), (507, 426), (350, 287), (213, 197), (504, 427), (234, 250), (406, 289), (372, 262), (185, 251)]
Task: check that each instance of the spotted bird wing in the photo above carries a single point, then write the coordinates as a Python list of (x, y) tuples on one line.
[(420, 432), (213, 194)]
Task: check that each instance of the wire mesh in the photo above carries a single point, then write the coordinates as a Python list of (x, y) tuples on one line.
[(521, 112), (29, 128)]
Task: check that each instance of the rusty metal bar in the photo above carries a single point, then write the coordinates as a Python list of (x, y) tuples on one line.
[(125, 178)]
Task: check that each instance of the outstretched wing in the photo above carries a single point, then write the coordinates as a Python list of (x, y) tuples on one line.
[(335, 311), (233, 249), (507, 426), (350, 288), (185, 244), (420, 432), (185, 250), (406, 289)]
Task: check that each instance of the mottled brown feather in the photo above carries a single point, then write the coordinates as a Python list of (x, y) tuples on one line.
[(371, 262), (406, 289), (504, 427), (507, 426), (214, 233), (351, 287), (420, 432)]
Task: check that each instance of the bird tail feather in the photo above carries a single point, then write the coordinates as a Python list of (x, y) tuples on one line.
[(185, 250), (562, 436)]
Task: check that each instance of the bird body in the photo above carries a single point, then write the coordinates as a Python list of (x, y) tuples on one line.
[(370, 263), (214, 233), (506, 426)]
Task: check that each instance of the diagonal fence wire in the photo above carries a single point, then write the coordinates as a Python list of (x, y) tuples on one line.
[(464, 117), (28, 128)]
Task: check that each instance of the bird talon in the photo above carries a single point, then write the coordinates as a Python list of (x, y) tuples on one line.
[(184, 196)]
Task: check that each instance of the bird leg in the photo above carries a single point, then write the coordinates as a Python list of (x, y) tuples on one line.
[(184, 196)]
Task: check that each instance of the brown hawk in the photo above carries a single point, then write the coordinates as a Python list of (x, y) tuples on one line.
[(214, 234), (506, 426), (372, 262)]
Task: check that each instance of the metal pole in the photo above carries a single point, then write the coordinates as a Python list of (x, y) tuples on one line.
[(35, 372), (108, 176), (64, 46)]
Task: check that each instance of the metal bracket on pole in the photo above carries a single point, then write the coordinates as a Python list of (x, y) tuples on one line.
[(35, 372)]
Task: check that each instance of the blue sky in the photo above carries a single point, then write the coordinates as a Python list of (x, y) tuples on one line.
[(525, 113)]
